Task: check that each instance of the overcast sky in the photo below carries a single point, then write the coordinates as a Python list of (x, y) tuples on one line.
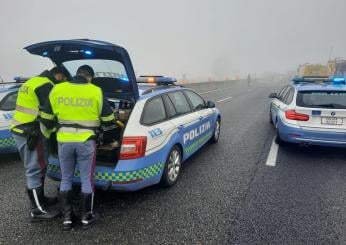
[(199, 38)]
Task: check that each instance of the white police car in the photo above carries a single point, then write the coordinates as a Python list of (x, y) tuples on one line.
[(8, 97), (311, 111), (159, 125)]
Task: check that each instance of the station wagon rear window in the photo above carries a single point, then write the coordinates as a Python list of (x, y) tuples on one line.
[(322, 99), (102, 68)]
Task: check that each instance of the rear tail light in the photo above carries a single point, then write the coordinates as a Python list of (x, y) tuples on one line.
[(293, 115), (133, 147)]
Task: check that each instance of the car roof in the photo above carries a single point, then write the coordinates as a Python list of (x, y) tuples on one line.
[(323, 86), (151, 90)]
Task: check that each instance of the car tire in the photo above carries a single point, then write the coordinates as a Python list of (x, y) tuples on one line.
[(217, 131), (278, 140), (270, 116), (172, 168)]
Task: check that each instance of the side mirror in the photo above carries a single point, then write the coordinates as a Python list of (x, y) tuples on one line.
[(273, 96), (210, 104)]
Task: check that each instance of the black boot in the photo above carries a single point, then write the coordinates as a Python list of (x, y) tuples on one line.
[(87, 203), (49, 201), (39, 209), (66, 206)]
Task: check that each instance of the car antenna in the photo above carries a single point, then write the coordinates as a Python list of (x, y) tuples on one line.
[(1, 80)]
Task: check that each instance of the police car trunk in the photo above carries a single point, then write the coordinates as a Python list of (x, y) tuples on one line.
[(321, 107), (114, 74)]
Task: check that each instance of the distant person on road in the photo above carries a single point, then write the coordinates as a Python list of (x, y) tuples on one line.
[(248, 80), (32, 146), (76, 124)]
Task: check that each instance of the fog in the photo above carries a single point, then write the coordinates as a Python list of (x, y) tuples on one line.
[(194, 39)]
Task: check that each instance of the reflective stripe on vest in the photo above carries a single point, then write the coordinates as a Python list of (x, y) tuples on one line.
[(91, 123), (27, 110), (74, 130), (108, 118), (46, 116)]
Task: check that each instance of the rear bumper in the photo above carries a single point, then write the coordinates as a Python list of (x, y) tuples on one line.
[(128, 175), (7, 143), (294, 134)]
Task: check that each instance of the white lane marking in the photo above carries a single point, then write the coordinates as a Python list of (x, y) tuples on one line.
[(210, 91), (273, 153), (206, 92), (224, 99)]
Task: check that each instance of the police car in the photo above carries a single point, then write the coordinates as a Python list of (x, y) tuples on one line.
[(310, 111), (158, 125), (8, 97)]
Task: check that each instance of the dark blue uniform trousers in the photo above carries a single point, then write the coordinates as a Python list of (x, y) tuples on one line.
[(83, 154)]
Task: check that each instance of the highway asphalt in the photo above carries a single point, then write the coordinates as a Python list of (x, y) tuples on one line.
[(226, 193)]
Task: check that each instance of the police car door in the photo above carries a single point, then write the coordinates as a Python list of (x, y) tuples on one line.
[(186, 121), (205, 114)]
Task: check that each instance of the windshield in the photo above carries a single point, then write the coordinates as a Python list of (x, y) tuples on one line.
[(102, 68), (322, 99)]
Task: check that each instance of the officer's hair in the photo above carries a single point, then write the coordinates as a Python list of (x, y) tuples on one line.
[(83, 73), (56, 70)]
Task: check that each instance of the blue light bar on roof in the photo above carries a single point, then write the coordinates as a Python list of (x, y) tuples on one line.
[(310, 79), (19, 79), (156, 79), (338, 79)]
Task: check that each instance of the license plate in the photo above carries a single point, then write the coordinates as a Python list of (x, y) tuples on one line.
[(332, 120)]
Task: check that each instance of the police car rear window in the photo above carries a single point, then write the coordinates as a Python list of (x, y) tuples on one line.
[(102, 68), (322, 99)]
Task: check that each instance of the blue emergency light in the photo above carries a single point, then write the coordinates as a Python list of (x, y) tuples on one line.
[(338, 80), (124, 77), (88, 52)]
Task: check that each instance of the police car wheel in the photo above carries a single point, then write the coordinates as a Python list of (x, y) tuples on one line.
[(270, 116), (172, 168), (277, 136), (217, 131)]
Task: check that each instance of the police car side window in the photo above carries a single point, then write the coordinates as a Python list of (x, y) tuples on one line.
[(169, 106), (289, 96), (196, 100), (154, 111), (283, 93), (9, 102), (180, 103)]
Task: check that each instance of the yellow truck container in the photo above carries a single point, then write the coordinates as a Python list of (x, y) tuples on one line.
[(337, 67), (313, 70)]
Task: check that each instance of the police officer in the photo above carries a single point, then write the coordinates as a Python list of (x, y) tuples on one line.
[(32, 147), (79, 108)]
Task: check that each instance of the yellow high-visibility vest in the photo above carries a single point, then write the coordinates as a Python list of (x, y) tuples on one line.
[(27, 105), (77, 108)]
